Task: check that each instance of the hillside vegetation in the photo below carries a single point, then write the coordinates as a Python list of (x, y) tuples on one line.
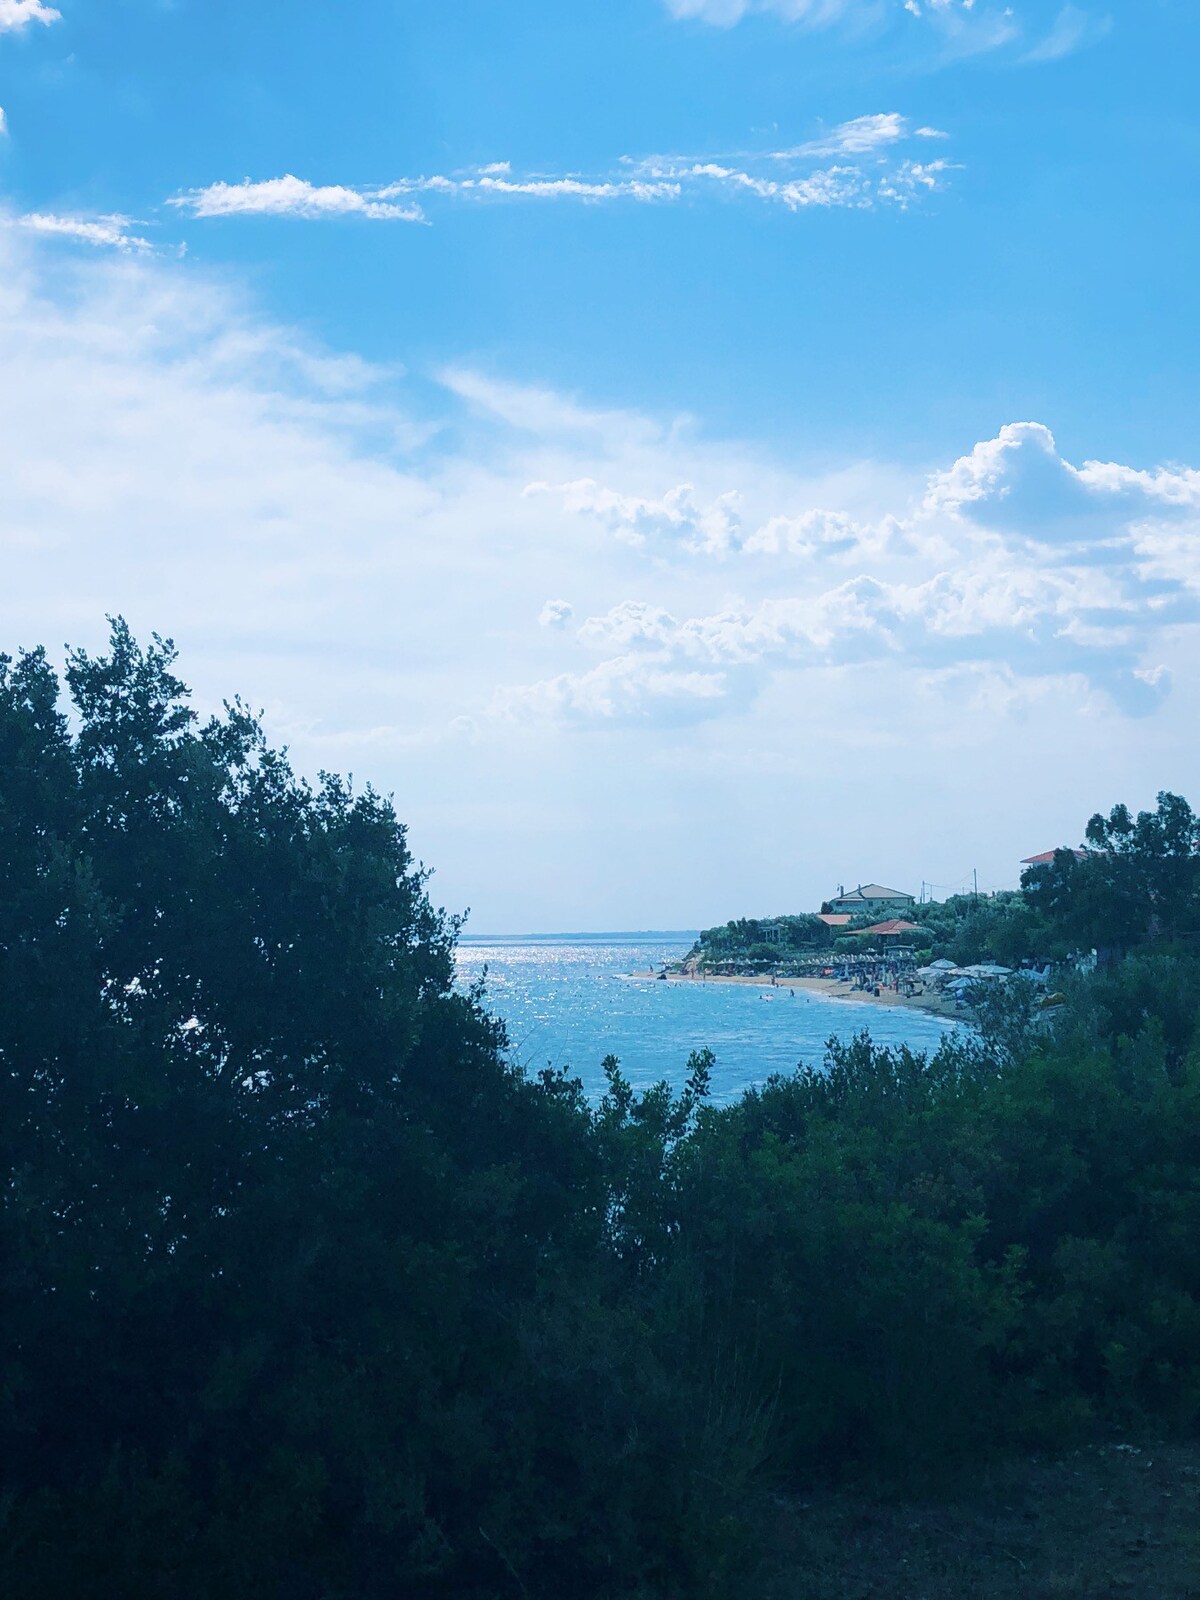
[(1135, 883), (307, 1292)]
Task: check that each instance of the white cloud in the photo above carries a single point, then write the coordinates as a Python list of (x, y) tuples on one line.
[(556, 614), (724, 13), (1072, 30), (869, 169), (962, 27), (3, 123), (862, 136), (626, 690), (292, 197), (859, 136), (495, 180), (818, 532), (675, 516), (1013, 562), (547, 412), (18, 14), (1018, 484), (678, 520), (110, 232), (366, 565)]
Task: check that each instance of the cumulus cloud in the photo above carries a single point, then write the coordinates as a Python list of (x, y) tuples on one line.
[(556, 614), (681, 520), (1013, 562), (622, 691), (869, 169), (353, 551), (18, 14), (1019, 484), (1024, 622), (675, 517), (817, 532), (283, 511)]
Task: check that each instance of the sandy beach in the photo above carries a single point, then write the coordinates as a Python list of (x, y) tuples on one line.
[(832, 989)]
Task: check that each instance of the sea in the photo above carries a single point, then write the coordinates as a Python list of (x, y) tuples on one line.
[(569, 1000)]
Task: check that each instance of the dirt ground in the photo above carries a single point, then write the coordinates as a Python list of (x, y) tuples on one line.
[(1109, 1521)]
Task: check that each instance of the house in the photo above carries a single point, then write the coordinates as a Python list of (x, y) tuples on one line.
[(1046, 858), (894, 928), (835, 919), (871, 899)]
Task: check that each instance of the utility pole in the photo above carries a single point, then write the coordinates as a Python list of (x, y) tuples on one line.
[(975, 876)]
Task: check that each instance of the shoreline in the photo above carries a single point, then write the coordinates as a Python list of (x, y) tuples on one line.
[(833, 989)]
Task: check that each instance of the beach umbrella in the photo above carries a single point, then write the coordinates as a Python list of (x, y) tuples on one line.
[(942, 965)]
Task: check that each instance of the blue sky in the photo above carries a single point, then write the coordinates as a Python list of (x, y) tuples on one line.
[(693, 452)]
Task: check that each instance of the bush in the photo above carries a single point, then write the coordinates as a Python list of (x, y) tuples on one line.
[(304, 1291)]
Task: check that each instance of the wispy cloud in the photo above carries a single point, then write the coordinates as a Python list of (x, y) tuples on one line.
[(813, 13), (294, 197), (402, 609), (18, 14), (110, 232), (869, 168), (1072, 30), (961, 27), (862, 136), (725, 13)]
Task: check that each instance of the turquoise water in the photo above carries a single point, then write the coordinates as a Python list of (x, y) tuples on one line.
[(569, 1001)]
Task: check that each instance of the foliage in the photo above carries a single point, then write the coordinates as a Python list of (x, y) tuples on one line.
[(930, 1259), (305, 1291), (765, 939), (1139, 878), (1006, 927)]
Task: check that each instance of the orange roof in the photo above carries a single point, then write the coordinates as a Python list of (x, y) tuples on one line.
[(835, 919), (1048, 856), (894, 926)]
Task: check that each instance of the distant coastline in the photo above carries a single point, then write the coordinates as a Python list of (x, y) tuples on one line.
[(684, 936)]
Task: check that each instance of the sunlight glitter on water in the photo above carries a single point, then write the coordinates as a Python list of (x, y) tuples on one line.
[(568, 1001)]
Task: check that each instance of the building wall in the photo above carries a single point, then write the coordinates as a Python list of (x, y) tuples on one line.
[(852, 903)]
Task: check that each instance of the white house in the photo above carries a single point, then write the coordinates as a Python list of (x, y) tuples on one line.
[(870, 899)]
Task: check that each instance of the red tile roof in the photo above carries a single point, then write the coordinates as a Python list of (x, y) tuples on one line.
[(1048, 856), (894, 926)]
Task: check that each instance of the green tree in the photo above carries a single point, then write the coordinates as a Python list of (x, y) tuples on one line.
[(1139, 878), (303, 1289)]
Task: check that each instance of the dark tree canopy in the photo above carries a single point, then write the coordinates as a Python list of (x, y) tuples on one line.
[(284, 1238), (1137, 880), (308, 1293)]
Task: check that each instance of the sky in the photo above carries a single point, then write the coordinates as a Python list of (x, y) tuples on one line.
[(692, 453)]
